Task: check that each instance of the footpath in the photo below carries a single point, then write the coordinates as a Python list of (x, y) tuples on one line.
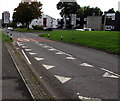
[(13, 87)]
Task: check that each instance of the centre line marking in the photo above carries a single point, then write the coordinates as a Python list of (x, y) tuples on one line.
[(26, 57)]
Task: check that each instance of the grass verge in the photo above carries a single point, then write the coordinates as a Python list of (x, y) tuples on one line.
[(101, 40), (25, 30), (5, 38)]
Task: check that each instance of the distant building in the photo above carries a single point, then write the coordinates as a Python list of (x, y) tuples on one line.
[(112, 21), (45, 21), (94, 22), (119, 6)]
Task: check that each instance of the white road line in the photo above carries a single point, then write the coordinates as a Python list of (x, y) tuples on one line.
[(108, 75), (110, 72), (48, 66), (22, 44), (32, 53), (18, 44), (88, 98), (62, 79), (86, 65), (28, 50), (22, 77), (26, 57), (70, 58), (39, 59)]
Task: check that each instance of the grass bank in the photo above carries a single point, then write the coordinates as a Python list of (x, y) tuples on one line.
[(26, 30), (102, 40), (5, 38)]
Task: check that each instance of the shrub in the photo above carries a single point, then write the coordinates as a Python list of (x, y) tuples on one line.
[(37, 27)]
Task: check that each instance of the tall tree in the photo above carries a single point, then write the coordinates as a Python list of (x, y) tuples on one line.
[(110, 11), (26, 12), (67, 8)]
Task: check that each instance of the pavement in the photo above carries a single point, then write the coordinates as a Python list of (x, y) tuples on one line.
[(70, 71), (13, 87)]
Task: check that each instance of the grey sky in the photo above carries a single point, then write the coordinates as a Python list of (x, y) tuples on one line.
[(49, 6)]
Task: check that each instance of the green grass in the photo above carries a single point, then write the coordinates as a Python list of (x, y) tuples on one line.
[(102, 40), (25, 30), (5, 38)]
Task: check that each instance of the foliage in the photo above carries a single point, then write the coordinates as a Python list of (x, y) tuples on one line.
[(26, 12), (37, 27), (102, 40), (25, 30)]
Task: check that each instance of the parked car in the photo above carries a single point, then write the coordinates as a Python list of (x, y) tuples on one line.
[(10, 28), (47, 29)]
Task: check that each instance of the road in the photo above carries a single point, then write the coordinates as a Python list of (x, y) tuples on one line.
[(71, 71), (13, 87)]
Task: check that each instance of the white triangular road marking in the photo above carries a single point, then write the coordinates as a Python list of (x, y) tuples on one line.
[(28, 49), (24, 46), (106, 74), (59, 53), (70, 58), (39, 59), (32, 53), (40, 44), (88, 98), (86, 65), (46, 46), (52, 49), (62, 79), (48, 66)]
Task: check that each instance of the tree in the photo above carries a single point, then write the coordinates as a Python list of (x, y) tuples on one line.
[(67, 8), (26, 12), (110, 11)]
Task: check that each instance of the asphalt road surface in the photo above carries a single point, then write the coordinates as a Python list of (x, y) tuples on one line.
[(13, 87), (71, 71)]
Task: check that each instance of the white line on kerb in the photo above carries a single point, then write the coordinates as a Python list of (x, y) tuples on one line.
[(22, 77), (110, 72), (26, 57)]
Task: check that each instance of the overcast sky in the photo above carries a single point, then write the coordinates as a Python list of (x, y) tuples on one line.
[(49, 6)]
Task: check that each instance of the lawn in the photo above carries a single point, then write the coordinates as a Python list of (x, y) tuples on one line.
[(25, 30), (4, 37), (102, 40)]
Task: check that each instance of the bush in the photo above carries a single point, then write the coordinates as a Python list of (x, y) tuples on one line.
[(37, 27)]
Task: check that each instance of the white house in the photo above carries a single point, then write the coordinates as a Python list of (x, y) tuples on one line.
[(45, 21)]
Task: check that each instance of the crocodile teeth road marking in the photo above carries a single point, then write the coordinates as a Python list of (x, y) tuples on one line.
[(46, 46), (48, 66), (32, 53), (28, 50), (52, 49), (70, 58), (39, 59), (59, 53), (24, 46), (41, 44), (88, 98), (108, 75), (21, 44), (62, 79), (86, 65)]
